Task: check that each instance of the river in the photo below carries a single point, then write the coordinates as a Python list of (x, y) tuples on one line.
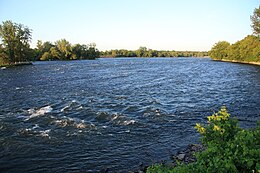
[(85, 116)]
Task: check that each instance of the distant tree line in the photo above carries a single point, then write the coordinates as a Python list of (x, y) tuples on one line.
[(15, 47), (245, 50), (145, 52)]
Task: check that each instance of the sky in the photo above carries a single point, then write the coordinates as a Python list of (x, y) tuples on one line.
[(128, 24)]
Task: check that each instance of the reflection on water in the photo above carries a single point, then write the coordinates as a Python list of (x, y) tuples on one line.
[(115, 113)]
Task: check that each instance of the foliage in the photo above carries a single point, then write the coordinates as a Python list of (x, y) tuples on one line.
[(229, 148), (46, 56), (255, 18), (219, 50), (15, 42), (145, 52), (3, 56), (245, 50), (63, 50), (15, 47)]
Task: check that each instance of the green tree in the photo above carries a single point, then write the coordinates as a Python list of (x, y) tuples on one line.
[(245, 50), (64, 48), (3, 55), (46, 56), (255, 18), (45, 47), (39, 48), (92, 52), (79, 51), (15, 38), (248, 48), (219, 50), (141, 51), (54, 53), (233, 52), (23, 50)]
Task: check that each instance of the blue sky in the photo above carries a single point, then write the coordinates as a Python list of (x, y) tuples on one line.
[(129, 24)]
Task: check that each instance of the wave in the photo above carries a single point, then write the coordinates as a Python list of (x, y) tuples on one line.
[(71, 106), (102, 117), (34, 132), (119, 119), (44, 133), (128, 122), (39, 112), (70, 122)]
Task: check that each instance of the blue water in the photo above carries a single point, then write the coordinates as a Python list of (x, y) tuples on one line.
[(85, 116)]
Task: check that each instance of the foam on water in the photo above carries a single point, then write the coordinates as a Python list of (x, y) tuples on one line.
[(114, 117), (34, 132), (70, 122), (39, 112), (44, 133), (63, 109), (73, 105), (35, 126), (121, 120), (128, 122)]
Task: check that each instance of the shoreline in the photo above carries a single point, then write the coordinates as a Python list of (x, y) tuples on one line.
[(16, 64), (185, 156), (240, 62)]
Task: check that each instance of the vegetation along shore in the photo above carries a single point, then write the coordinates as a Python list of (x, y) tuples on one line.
[(228, 149), (15, 48), (246, 50)]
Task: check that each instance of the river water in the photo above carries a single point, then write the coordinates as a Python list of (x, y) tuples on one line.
[(85, 116)]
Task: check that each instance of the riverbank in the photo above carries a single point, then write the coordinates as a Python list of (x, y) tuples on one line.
[(240, 62), (16, 64), (183, 156)]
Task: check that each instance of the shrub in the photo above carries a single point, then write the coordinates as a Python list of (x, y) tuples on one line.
[(229, 148)]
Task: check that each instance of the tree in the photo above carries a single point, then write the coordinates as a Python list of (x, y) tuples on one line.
[(92, 52), (234, 52), (245, 50), (3, 55), (45, 47), (64, 48), (46, 56), (219, 50), (255, 18), (141, 51), (23, 47), (54, 53), (15, 38), (79, 51)]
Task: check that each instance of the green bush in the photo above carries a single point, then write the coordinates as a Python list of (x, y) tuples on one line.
[(229, 148)]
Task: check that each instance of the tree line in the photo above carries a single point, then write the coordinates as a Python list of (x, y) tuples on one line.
[(63, 50), (15, 47), (245, 50), (145, 52)]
